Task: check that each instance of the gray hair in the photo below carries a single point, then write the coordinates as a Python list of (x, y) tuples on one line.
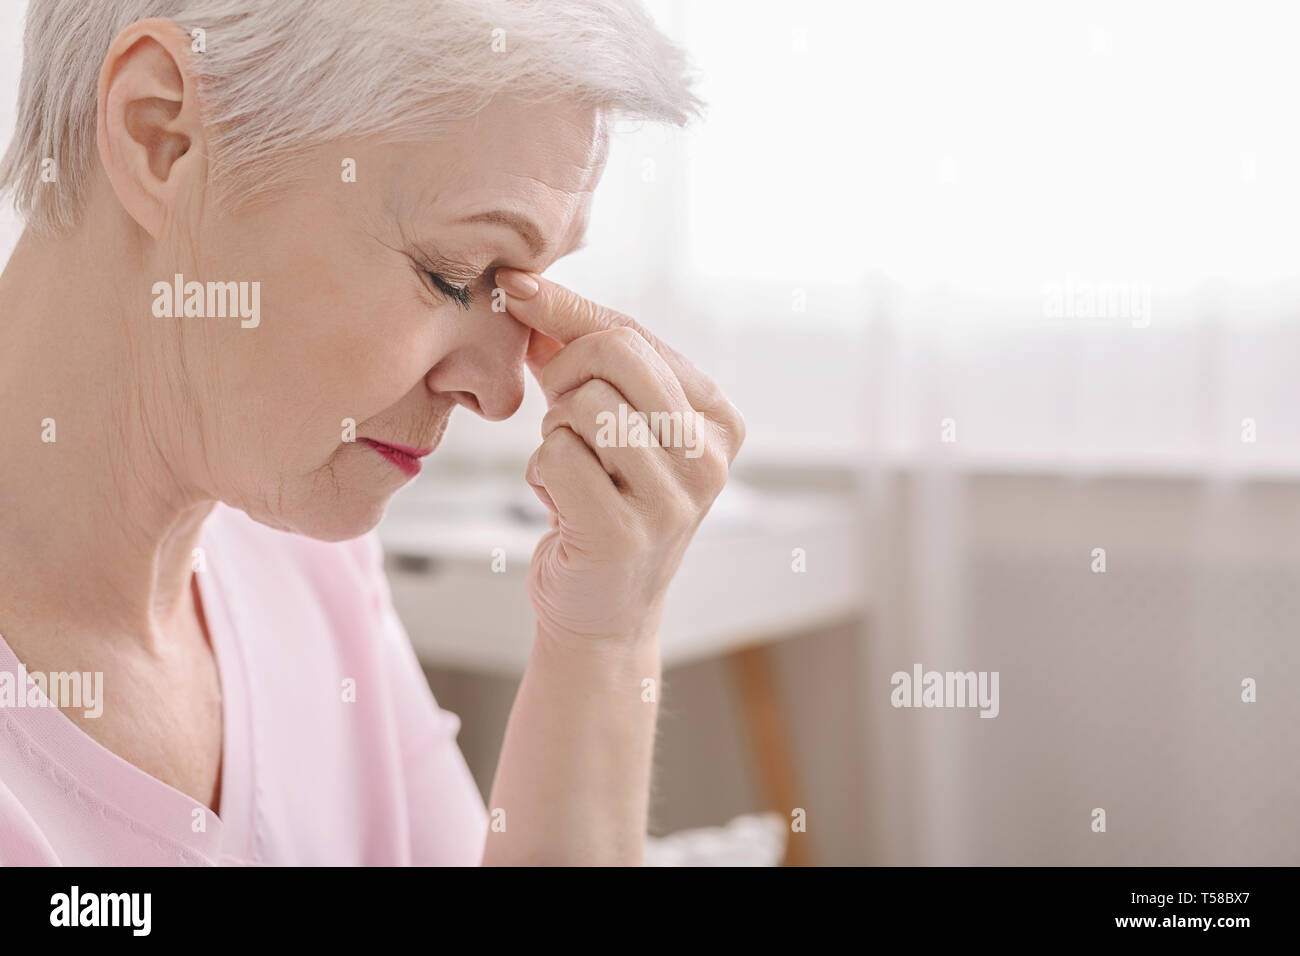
[(277, 77)]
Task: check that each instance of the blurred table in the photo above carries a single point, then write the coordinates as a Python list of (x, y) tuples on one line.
[(735, 594)]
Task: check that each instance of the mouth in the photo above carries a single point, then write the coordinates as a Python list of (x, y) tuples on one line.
[(403, 457)]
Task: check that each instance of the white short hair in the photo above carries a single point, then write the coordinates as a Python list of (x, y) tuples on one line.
[(277, 77)]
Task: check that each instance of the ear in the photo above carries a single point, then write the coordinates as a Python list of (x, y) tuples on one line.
[(148, 129)]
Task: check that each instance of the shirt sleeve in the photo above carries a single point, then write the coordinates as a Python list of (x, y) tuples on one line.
[(448, 819)]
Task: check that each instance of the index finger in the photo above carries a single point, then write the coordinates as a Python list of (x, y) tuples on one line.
[(555, 311), (562, 314)]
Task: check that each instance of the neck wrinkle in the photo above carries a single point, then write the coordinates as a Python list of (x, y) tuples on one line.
[(98, 528)]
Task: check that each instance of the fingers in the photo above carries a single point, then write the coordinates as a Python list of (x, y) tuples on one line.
[(659, 480), (593, 411), (570, 474), (565, 316), (541, 349), (628, 363), (556, 311)]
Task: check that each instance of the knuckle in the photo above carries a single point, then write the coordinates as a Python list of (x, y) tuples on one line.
[(593, 388), (621, 338), (545, 456), (735, 424), (592, 397), (732, 423), (550, 378), (556, 414), (554, 447), (712, 470), (648, 338), (564, 301), (586, 310)]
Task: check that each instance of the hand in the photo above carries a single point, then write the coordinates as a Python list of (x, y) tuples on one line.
[(636, 445)]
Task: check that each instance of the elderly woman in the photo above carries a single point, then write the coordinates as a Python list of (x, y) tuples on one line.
[(270, 248)]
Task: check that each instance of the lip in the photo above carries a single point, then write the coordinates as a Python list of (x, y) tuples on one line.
[(404, 457), (405, 450)]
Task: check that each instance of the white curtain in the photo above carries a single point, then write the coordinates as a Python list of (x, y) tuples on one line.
[(1032, 270)]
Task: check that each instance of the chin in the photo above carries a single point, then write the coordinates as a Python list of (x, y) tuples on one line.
[(326, 517), (333, 530), (349, 520)]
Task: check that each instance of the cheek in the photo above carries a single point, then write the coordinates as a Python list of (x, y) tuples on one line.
[(355, 337), (344, 347), (345, 333)]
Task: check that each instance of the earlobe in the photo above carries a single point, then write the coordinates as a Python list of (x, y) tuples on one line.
[(148, 123)]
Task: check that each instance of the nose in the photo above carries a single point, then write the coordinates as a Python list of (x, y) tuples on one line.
[(484, 368)]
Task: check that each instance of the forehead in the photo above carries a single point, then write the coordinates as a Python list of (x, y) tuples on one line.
[(539, 162)]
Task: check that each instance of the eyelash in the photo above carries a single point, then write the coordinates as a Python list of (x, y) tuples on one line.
[(461, 295)]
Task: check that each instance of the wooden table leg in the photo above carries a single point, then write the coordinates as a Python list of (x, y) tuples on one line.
[(764, 717)]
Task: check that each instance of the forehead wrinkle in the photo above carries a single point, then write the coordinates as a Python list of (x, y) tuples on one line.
[(569, 199), (540, 241)]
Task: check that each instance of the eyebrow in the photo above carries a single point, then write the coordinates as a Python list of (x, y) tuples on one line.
[(522, 225), (526, 228)]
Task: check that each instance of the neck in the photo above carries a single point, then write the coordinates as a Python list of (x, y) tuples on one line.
[(98, 526)]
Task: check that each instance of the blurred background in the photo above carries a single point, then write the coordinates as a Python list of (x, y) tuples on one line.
[(996, 286)]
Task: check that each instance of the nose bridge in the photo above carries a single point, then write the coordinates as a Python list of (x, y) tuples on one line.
[(486, 360)]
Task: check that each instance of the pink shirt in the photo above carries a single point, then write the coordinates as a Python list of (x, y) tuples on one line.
[(308, 776)]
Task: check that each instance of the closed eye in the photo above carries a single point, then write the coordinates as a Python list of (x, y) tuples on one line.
[(460, 294)]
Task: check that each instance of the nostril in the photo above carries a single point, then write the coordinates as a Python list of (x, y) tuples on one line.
[(470, 401)]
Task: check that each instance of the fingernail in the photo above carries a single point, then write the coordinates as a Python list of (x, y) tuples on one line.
[(518, 284)]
